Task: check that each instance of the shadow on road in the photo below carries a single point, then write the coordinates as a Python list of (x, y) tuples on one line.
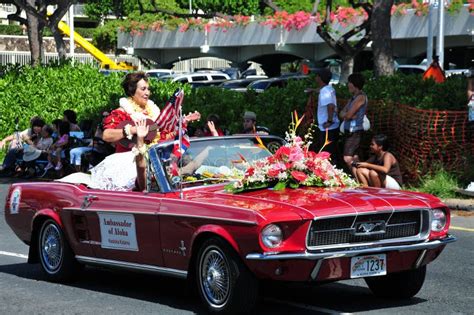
[(275, 298)]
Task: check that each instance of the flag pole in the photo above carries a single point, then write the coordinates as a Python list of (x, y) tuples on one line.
[(180, 143)]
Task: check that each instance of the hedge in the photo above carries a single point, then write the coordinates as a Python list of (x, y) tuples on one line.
[(48, 90)]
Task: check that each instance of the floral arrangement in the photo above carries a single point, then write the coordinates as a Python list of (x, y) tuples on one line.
[(293, 165), (345, 16)]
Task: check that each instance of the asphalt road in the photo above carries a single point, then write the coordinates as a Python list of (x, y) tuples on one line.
[(448, 288)]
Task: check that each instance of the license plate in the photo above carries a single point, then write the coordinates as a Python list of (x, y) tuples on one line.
[(368, 266)]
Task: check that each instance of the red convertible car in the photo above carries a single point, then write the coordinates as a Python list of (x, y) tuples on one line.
[(189, 226)]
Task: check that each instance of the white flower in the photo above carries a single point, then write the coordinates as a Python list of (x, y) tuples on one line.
[(282, 176)]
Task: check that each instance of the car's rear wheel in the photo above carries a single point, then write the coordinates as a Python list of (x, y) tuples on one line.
[(402, 285), (56, 257), (224, 282)]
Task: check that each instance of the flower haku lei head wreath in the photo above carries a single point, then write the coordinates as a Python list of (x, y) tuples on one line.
[(293, 165)]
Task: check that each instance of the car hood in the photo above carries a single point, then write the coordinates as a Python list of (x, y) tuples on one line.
[(311, 202)]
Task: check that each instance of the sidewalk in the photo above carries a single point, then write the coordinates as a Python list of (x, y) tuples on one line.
[(460, 204)]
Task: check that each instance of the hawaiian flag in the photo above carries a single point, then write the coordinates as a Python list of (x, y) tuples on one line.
[(177, 151), (169, 116)]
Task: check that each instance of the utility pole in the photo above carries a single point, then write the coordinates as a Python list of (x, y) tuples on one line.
[(440, 43), (429, 44), (190, 65)]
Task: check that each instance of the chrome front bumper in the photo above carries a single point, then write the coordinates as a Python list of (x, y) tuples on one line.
[(354, 251)]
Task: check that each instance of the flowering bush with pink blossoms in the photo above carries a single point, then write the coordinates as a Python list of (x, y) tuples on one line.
[(293, 165)]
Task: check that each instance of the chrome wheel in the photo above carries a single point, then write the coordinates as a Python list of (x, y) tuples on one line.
[(51, 248), (214, 273)]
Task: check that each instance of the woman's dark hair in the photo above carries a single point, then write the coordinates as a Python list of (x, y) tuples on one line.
[(64, 128), (131, 80), (357, 80), (214, 118), (56, 123), (37, 122), (70, 116), (382, 140), (48, 129)]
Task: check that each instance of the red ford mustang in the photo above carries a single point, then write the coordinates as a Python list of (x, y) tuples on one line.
[(188, 226)]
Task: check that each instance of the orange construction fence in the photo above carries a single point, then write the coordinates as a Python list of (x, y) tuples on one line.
[(421, 139)]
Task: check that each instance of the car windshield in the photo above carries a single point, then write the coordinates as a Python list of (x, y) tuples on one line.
[(213, 160), (259, 85)]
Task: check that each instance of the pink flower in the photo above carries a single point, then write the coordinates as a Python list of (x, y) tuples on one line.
[(282, 153), (296, 154), (299, 176)]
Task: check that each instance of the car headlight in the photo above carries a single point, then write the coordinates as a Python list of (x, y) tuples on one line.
[(272, 236), (438, 221)]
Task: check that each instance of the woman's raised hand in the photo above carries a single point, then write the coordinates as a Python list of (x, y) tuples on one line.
[(142, 128), (212, 128)]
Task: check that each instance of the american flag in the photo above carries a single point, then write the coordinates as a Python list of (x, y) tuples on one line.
[(169, 116)]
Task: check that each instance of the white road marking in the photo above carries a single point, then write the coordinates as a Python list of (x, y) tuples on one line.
[(305, 306), (13, 254)]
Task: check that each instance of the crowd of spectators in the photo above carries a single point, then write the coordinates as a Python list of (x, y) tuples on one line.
[(42, 147)]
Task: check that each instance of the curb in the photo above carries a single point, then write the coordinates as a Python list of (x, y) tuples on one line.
[(460, 204)]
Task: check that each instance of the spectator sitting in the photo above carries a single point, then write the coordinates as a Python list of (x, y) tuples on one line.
[(33, 153), (381, 169), (57, 149), (212, 128), (15, 149), (55, 125), (70, 116), (76, 153)]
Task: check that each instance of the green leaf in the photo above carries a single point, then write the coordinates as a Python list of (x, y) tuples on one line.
[(280, 186)]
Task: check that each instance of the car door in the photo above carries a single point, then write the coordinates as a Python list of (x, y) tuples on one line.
[(124, 226)]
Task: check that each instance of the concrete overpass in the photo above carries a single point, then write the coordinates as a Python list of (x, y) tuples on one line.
[(271, 47)]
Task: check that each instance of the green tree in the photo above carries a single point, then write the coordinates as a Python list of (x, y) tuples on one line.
[(230, 7), (37, 18)]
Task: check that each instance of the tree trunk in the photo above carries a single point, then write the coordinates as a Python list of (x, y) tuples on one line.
[(382, 38), (347, 67), (60, 45), (35, 37)]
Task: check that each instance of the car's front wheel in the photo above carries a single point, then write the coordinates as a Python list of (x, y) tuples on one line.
[(402, 285), (224, 282), (56, 257)]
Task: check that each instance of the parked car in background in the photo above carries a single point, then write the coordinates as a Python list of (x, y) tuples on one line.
[(239, 85), (260, 86), (157, 73), (200, 84), (464, 72), (195, 77), (189, 227), (411, 69)]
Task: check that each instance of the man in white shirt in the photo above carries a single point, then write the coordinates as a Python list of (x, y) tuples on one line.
[(328, 121)]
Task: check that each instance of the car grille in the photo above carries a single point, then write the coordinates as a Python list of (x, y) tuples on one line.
[(349, 229)]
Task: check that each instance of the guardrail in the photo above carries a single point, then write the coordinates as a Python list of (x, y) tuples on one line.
[(24, 57)]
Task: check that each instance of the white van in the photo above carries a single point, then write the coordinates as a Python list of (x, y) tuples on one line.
[(196, 77), (158, 73)]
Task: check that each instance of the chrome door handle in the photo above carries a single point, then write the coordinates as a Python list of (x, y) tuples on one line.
[(88, 201)]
